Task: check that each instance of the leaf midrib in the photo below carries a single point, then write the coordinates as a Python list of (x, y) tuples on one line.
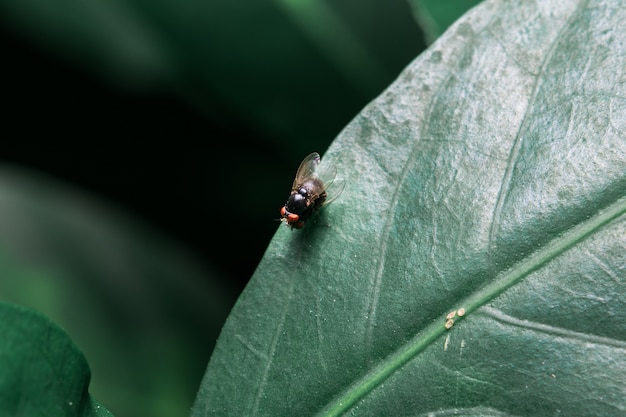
[(477, 299)]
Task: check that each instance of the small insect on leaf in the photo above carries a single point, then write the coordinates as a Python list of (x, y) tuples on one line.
[(309, 192)]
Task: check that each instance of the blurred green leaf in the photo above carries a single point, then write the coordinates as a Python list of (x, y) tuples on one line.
[(111, 37), (436, 16), (274, 65), (144, 311), (491, 178), (320, 23), (43, 372)]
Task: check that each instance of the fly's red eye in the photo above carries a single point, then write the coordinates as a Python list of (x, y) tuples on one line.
[(291, 218)]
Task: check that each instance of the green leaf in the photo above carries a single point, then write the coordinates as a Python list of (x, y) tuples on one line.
[(43, 372), (143, 310), (436, 16), (491, 177)]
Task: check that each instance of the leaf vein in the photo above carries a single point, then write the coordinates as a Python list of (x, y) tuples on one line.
[(380, 266), (505, 184), (270, 355), (502, 317)]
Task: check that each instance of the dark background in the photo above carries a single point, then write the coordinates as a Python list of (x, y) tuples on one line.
[(207, 177)]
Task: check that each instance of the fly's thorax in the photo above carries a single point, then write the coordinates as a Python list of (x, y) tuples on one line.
[(309, 195), (297, 202), (312, 188)]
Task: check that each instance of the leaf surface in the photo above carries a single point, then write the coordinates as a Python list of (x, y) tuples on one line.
[(490, 178), (43, 372)]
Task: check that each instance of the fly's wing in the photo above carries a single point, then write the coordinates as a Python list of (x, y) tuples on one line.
[(332, 185), (307, 169)]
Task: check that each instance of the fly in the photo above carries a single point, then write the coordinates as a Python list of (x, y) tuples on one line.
[(309, 192)]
